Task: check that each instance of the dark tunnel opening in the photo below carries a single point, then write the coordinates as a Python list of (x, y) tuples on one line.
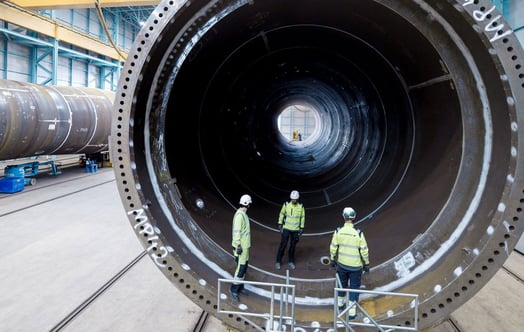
[(415, 130), (231, 97)]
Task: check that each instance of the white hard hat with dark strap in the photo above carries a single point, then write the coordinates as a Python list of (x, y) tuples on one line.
[(294, 195), (349, 213), (245, 200)]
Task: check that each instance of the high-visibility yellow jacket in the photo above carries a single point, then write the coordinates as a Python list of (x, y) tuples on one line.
[(292, 216), (350, 245), (241, 230)]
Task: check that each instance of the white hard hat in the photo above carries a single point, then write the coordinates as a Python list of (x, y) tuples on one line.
[(349, 213), (294, 195), (245, 200)]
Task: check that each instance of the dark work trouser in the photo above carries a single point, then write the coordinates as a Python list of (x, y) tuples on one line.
[(292, 237), (240, 271), (354, 277)]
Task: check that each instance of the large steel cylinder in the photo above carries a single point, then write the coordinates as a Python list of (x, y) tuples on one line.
[(419, 106), (43, 120)]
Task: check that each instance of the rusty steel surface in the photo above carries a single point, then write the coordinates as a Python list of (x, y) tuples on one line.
[(44, 120), (420, 106)]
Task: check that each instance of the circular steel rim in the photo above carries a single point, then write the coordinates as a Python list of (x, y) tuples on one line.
[(498, 238)]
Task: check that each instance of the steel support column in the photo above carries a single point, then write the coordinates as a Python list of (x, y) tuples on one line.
[(54, 71), (36, 65), (101, 77), (4, 76)]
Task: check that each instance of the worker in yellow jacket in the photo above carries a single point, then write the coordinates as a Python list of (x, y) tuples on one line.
[(291, 226), (349, 253), (241, 242)]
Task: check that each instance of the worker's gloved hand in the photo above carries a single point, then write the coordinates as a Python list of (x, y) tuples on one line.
[(239, 250), (280, 228), (332, 263), (300, 232), (366, 268)]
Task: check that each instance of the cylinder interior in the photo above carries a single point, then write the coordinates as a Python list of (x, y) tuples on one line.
[(385, 139), (414, 129)]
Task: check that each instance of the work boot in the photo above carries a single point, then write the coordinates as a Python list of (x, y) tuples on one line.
[(234, 296), (292, 266), (341, 308), (357, 316), (277, 265), (352, 309)]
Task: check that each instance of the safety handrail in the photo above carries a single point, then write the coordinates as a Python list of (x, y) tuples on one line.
[(368, 320), (283, 298)]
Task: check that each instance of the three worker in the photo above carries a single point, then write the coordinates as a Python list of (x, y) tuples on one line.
[(348, 249)]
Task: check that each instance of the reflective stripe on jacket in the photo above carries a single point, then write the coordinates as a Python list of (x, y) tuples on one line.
[(292, 216), (350, 245), (241, 230)]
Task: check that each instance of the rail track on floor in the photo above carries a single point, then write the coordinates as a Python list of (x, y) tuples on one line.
[(48, 185)]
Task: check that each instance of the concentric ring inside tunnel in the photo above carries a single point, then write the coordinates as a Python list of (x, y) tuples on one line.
[(239, 137), (367, 129), (414, 131)]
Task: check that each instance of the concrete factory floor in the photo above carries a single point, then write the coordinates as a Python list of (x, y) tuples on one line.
[(65, 238)]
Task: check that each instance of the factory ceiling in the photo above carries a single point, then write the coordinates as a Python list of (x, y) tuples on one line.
[(69, 4)]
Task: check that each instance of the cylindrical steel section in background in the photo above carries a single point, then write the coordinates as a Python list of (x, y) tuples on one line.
[(42, 120)]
